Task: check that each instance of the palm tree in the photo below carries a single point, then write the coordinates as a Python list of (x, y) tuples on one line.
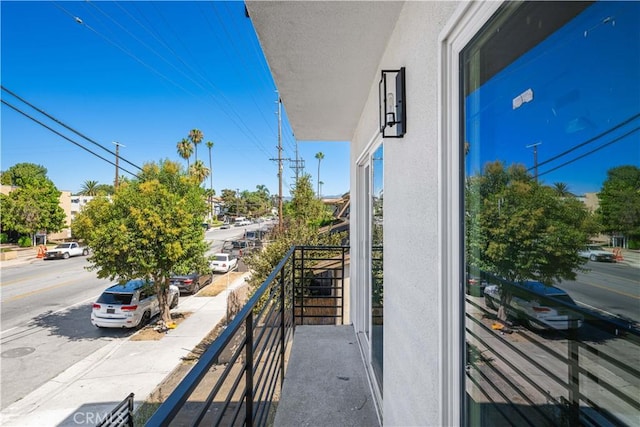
[(195, 135), (185, 149), (319, 156), (211, 193), (199, 171), (561, 189), (89, 188)]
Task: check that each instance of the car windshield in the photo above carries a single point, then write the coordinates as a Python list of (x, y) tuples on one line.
[(115, 298), (63, 246), (596, 248), (221, 258)]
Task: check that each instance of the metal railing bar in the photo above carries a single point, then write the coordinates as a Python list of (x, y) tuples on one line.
[(614, 362), (216, 388), (268, 387), (610, 388), (506, 398), (249, 370), (170, 408), (514, 367), (266, 363), (513, 386), (604, 413), (489, 398)]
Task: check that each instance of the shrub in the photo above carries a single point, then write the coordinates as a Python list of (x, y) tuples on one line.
[(24, 241), (4, 238)]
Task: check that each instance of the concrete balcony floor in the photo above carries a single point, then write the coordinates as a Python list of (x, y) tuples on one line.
[(326, 382)]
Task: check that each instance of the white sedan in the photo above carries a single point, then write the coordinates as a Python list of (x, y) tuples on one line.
[(223, 263), (597, 253)]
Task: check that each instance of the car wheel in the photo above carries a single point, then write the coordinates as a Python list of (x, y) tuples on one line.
[(593, 258), (65, 255), (196, 288), (146, 316), (85, 252), (174, 301)]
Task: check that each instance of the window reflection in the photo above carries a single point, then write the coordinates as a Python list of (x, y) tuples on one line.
[(551, 115), (377, 288)]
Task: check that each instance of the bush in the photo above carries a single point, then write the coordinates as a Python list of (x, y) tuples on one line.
[(4, 238), (24, 241), (634, 244)]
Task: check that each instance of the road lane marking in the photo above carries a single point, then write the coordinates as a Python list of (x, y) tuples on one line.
[(37, 291), (612, 290)]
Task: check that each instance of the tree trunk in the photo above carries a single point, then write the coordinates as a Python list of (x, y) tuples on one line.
[(163, 301), (505, 301)]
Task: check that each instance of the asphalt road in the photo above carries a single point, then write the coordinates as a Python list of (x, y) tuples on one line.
[(45, 318), (611, 288)]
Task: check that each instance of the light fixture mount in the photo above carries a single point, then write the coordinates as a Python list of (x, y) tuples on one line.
[(392, 103)]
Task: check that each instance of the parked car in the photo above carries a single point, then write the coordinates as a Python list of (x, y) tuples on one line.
[(597, 253), (238, 248), (223, 263), (131, 305), (537, 305), (225, 226), (66, 250), (191, 283)]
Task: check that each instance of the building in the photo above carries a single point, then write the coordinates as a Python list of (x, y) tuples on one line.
[(413, 86)]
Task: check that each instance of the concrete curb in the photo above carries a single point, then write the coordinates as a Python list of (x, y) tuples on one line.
[(88, 390)]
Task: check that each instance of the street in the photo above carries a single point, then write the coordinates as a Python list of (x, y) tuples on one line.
[(45, 318)]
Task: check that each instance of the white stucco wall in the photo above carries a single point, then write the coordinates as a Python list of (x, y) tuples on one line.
[(412, 318)]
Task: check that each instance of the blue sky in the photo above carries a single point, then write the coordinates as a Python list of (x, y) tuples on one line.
[(584, 122), (143, 74)]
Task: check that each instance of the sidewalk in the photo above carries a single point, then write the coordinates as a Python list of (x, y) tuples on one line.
[(85, 392)]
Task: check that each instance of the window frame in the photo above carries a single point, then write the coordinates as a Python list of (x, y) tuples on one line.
[(464, 25)]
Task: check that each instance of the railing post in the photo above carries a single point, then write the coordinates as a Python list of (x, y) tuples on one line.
[(301, 285), (574, 375), (282, 326), (130, 410), (249, 369)]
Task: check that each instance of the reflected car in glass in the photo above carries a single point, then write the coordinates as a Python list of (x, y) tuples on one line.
[(538, 306), (130, 305), (597, 253)]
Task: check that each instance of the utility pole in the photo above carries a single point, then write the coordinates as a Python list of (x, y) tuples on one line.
[(279, 159), (535, 158), (117, 144), (298, 165)]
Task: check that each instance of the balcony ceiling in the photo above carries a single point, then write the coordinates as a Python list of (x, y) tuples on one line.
[(323, 56)]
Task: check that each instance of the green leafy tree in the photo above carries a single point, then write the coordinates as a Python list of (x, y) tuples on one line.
[(150, 228), (304, 207), (619, 209), (303, 216), (22, 174), (33, 207), (520, 230), (230, 201), (107, 189)]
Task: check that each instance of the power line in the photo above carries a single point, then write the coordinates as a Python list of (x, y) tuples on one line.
[(589, 141), (592, 151), (64, 125), (63, 136)]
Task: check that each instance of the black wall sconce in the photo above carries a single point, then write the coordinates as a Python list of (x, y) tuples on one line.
[(392, 104)]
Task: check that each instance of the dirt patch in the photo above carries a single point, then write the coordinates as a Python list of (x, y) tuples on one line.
[(151, 332), (219, 284)]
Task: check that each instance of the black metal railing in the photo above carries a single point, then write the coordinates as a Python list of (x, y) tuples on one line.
[(238, 378), (528, 373), (121, 415)]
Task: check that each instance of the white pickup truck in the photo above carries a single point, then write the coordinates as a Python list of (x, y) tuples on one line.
[(66, 250)]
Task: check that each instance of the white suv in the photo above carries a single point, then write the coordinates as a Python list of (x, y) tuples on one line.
[(131, 305)]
